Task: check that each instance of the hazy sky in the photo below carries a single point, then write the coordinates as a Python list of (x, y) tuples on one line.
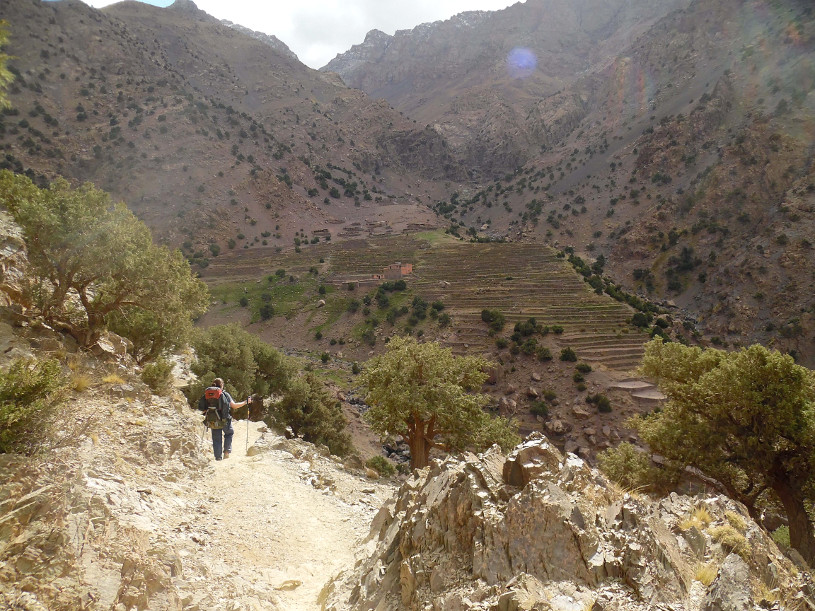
[(316, 30)]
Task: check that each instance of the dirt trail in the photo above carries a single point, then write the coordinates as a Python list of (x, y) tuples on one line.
[(286, 522)]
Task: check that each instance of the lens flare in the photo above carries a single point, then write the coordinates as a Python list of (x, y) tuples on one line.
[(521, 62)]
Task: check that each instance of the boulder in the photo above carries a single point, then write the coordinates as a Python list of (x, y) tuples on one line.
[(730, 591), (532, 458)]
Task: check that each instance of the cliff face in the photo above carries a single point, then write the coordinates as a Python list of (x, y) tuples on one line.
[(537, 530), (481, 75)]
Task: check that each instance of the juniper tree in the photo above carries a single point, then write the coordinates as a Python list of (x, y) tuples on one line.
[(426, 394), (743, 418), (94, 264)]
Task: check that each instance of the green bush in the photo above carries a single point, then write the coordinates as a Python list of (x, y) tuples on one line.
[(567, 354), (539, 408), (355, 368), (543, 353), (602, 402), (308, 409), (583, 367), (381, 465), (632, 469), (781, 536), (502, 342), (29, 392), (494, 318), (247, 364), (158, 375)]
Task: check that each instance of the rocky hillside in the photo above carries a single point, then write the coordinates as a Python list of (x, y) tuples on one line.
[(481, 78), (679, 151), (211, 135), (539, 530), (672, 138)]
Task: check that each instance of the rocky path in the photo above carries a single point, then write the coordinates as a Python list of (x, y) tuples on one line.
[(280, 522)]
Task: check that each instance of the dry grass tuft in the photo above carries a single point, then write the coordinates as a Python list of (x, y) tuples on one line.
[(736, 521), (700, 518), (706, 573), (81, 382), (113, 378), (731, 540)]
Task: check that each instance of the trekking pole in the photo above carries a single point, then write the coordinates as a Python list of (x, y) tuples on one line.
[(247, 433)]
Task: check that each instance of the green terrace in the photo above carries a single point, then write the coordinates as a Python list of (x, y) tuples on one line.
[(521, 281)]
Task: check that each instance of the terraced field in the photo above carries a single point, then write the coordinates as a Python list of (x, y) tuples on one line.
[(519, 280)]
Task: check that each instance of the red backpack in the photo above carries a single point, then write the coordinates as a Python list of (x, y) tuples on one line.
[(215, 415)]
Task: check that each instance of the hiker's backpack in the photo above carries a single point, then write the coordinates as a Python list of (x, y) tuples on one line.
[(216, 410)]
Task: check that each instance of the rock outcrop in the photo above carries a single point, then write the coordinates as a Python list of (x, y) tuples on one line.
[(539, 530)]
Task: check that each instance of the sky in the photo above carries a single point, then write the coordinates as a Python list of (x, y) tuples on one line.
[(316, 30)]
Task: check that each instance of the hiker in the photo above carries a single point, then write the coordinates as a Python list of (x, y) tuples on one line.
[(217, 404)]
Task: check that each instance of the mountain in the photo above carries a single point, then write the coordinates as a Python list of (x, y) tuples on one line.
[(272, 41), (480, 78), (672, 138), (207, 133)]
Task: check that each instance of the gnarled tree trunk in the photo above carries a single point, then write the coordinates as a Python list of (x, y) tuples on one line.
[(801, 537)]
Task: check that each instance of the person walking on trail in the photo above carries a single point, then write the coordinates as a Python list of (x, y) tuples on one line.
[(218, 405)]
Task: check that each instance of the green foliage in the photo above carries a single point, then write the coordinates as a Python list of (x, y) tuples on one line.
[(247, 364), (5, 75), (381, 465), (494, 319), (744, 418), (543, 353), (539, 408), (583, 367), (158, 375), (80, 244), (781, 536), (29, 392), (602, 402), (633, 470), (308, 409), (425, 394), (568, 355)]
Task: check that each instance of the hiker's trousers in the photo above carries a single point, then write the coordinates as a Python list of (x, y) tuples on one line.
[(222, 439)]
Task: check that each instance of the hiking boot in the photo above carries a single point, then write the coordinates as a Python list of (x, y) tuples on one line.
[(226, 454)]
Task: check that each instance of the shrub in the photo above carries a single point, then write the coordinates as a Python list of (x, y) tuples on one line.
[(324, 357), (578, 377), (355, 368), (539, 408), (502, 342), (381, 465), (543, 353), (494, 319), (158, 375), (308, 409), (632, 469), (567, 354), (781, 536), (602, 402), (266, 311), (29, 392), (318, 335), (583, 367)]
